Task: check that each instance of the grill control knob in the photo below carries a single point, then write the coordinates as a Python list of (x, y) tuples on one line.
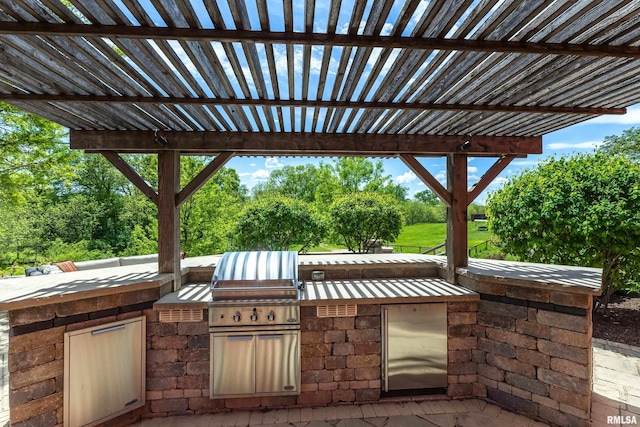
[(254, 316), (271, 316), (236, 316)]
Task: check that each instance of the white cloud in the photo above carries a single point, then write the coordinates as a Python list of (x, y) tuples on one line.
[(272, 162), (631, 118), (260, 175), (253, 165), (406, 178), (242, 174), (524, 163), (386, 29), (576, 145), (472, 169)]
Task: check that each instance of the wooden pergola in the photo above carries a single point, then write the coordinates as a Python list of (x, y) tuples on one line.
[(404, 78)]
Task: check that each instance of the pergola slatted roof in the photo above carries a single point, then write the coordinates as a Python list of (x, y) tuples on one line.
[(454, 67), (390, 78)]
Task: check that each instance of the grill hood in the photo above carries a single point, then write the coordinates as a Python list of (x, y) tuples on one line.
[(256, 274)]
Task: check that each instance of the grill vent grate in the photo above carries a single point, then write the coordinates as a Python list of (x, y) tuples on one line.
[(337, 310), (187, 315)]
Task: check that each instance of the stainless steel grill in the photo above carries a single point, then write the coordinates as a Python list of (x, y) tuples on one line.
[(254, 322)]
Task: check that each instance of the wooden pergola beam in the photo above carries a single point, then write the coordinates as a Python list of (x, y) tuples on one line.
[(133, 176), (457, 233), (302, 143), (169, 215), (426, 177), (316, 39), (488, 177), (370, 105), (196, 183)]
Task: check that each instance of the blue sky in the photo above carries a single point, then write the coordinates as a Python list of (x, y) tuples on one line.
[(584, 137)]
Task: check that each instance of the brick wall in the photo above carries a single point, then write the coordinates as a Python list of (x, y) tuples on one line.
[(4, 367), (340, 362), (340, 357), (534, 352), (461, 344), (36, 347)]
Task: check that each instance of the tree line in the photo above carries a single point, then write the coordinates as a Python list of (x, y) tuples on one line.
[(63, 204)]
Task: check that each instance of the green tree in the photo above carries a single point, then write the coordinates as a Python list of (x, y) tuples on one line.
[(427, 197), (359, 219), (628, 143), (580, 210), (277, 223), (34, 154), (360, 174), (207, 218), (299, 182)]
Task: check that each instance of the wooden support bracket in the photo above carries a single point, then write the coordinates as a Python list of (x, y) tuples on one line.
[(489, 176), (196, 183), (426, 177), (133, 176)]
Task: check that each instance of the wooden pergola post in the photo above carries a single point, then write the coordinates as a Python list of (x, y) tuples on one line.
[(457, 234), (169, 215)]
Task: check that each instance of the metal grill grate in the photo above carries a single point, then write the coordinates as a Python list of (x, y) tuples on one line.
[(337, 310), (190, 315)]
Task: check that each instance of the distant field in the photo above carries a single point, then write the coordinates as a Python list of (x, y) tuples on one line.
[(430, 235), (420, 237)]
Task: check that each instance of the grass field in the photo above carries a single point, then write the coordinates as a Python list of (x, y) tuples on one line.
[(418, 237)]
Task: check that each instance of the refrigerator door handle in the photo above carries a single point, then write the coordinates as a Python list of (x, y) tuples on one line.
[(385, 348)]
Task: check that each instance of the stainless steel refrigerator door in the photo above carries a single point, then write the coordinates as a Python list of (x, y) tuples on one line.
[(414, 346)]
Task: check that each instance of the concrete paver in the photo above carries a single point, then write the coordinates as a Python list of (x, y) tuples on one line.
[(616, 389)]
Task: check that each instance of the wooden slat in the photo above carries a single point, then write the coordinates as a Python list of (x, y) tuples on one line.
[(205, 174), (318, 39), (372, 105), (304, 143), (426, 177)]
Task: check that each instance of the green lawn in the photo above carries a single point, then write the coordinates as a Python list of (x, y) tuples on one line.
[(429, 235)]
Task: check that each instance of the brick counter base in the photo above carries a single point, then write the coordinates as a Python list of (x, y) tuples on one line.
[(340, 362), (36, 347), (534, 352)]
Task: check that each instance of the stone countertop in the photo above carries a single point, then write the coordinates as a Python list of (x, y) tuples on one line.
[(374, 291), (581, 280), (41, 290)]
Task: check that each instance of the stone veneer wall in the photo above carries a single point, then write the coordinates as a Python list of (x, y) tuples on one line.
[(461, 343), (340, 357), (36, 346), (4, 367), (340, 362), (534, 351)]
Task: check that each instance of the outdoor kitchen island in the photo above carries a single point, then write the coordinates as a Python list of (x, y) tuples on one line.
[(519, 334)]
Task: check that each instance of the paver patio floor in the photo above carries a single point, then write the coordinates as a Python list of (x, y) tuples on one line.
[(616, 392)]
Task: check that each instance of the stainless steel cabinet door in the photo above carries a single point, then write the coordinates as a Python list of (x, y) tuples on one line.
[(104, 373), (414, 346), (233, 364), (278, 362)]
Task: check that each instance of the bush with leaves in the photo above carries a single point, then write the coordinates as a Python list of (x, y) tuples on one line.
[(359, 219), (579, 210), (277, 223)]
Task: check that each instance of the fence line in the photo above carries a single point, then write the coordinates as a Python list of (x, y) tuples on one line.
[(434, 250)]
